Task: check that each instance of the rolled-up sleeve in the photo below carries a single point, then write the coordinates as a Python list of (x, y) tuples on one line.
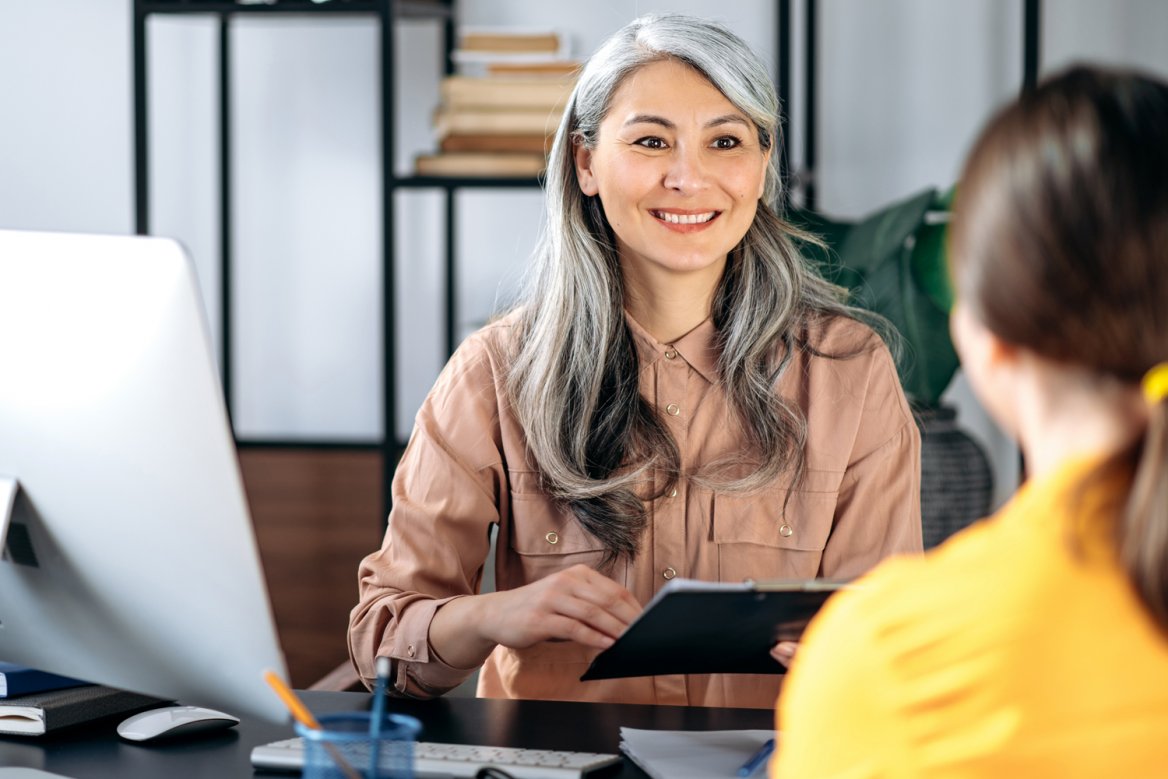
[(446, 497)]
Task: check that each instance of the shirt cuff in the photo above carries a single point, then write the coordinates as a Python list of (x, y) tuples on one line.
[(418, 670)]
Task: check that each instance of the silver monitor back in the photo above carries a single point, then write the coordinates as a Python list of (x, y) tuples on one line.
[(130, 559)]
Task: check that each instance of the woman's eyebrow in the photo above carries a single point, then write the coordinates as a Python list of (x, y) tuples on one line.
[(728, 119), (667, 124), (650, 119)]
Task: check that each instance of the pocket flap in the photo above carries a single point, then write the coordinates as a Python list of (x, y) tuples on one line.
[(766, 518), (540, 527)]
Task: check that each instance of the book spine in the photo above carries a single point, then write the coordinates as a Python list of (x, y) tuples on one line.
[(26, 681), (470, 164), (532, 93), (448, 121), (519, 143), (475, 41)]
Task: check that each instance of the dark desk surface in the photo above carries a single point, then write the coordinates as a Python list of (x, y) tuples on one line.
[(96, 752)]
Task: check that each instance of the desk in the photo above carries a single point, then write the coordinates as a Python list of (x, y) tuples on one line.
[(97, 753)]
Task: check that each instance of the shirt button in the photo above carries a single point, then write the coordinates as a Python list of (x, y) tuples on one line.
[(673, 409), (670, 354), (410, 650), (785, 531), (554, 538), (669, 573)]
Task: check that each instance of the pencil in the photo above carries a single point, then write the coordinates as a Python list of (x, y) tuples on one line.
[(302, 715)]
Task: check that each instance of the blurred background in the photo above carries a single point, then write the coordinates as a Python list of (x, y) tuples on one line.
[(901, 88)]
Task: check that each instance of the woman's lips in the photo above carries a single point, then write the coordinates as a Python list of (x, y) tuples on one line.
[(689, 221)]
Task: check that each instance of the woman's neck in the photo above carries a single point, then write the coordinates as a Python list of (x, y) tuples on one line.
[(1066, 414), (669, 305)]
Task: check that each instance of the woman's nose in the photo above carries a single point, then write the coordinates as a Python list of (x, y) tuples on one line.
[(686, 172)]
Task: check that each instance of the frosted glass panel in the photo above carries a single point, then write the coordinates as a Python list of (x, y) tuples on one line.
[(183, 97), (307, 248), (420, 337), (900, 117)]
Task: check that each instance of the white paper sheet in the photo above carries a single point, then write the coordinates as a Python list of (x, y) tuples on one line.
[(693, 754)]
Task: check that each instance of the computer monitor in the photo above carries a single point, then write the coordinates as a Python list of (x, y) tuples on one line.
[(130, 558)]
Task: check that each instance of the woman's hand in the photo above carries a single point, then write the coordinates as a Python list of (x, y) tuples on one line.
[(784, 652), (576, 604)]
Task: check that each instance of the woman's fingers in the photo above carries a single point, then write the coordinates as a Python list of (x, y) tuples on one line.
[(605, 599), (596, 617), (577, 604), (784, 652), (568, 629)]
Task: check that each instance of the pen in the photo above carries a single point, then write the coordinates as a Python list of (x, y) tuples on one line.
[(758, 758), (305, 718), (378, 714)]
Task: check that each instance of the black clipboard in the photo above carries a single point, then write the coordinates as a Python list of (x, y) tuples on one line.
[(696, 627)]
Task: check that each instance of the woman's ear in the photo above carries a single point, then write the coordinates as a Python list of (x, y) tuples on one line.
[(766, 166), (584, 175), (991, 364)]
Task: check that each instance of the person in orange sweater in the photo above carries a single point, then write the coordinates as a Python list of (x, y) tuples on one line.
[(1034, 643)]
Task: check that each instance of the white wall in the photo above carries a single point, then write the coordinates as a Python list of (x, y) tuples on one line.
[(65, 116), (905, 85)]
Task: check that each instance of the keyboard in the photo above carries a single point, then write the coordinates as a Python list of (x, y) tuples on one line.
[(441, 761)]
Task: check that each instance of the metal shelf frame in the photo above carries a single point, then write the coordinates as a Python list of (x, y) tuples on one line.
[(386, 12)]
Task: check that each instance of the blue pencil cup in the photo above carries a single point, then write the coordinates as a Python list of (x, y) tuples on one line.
[(343, 748)]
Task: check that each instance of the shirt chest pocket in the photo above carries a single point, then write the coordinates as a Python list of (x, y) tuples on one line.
[(544, 539), (774, 534)]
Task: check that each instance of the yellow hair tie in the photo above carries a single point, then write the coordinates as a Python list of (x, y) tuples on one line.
[(1155, 383)]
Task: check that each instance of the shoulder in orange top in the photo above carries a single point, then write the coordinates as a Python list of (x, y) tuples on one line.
[(1016, 649)]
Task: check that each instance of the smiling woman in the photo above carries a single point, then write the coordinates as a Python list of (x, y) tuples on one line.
[(677, 394)]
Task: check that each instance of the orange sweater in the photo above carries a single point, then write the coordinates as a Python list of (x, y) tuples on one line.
[(1018, 648)]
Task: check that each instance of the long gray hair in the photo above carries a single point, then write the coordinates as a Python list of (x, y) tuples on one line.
[(600, 448)]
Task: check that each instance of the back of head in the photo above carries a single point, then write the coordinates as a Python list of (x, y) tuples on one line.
[(1060, 246), (1061, 240)]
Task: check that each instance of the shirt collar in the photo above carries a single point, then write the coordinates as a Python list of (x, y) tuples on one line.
[(698, 347)]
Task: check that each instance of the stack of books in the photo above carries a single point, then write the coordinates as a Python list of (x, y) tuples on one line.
[(498, 115), (33, 702)]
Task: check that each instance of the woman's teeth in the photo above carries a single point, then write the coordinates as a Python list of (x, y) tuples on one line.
[(685, 219)]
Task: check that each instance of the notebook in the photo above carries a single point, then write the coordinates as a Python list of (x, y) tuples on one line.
[(40, 713)]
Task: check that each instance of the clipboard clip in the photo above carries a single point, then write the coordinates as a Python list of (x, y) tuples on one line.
[(799, 585)]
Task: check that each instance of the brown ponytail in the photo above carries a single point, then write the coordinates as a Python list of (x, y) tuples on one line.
[(1143, 530), (1060, 245)]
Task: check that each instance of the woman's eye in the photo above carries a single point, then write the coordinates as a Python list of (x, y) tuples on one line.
[(727, 142), (651, 142)]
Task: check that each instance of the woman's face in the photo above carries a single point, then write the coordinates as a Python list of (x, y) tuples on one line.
[(678, 169)]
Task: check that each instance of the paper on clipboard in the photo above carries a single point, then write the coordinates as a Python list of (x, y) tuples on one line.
[(695, 627)]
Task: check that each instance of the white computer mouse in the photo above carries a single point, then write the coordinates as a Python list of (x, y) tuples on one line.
[(171, 721)]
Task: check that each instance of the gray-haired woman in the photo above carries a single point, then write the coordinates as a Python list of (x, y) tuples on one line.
[(676, 395)]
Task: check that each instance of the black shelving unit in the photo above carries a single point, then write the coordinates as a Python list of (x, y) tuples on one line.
[(386, 12)]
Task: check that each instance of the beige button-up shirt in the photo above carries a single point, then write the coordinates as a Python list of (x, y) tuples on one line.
[(466, 469)]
